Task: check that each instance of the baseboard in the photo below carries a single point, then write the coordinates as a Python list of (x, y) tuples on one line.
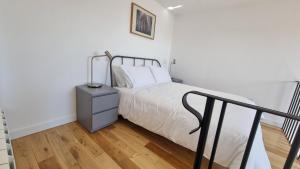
[(21, 132), (271, 122)]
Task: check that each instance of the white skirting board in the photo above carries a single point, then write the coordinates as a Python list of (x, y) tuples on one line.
[(17, 133), (271, 122)]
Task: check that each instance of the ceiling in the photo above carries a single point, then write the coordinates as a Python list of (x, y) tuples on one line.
[(196, 5), (187, 4)]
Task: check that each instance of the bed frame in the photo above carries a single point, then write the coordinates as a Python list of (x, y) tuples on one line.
[(204, 121), (134, 63)]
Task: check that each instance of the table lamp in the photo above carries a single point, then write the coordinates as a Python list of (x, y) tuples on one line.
[(92, 84)]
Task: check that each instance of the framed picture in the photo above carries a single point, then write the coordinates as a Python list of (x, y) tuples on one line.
[(142, 22)]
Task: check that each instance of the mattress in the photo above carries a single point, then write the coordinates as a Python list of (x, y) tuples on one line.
[(159, 109)]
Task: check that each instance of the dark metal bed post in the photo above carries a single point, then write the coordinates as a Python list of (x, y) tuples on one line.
[(293, 152), (251, 139), (218, 132), (204, 132)]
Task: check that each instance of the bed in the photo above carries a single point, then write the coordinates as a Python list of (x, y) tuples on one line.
[(158, 108)]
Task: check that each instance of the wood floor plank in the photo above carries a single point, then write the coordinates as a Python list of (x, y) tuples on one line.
[(144, 158), (40, 146), (83, 158), (186, 155), (121, 145), (50, 163), (23, 153), (167, 156), (123, 126), (61, 151), (82, 155), (107, 162), (86, 143), (84, 139), (142, 162), (114, 152), (277, 146)]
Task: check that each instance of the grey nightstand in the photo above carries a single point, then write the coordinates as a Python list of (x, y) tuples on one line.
[(176, 80), (96, 107)]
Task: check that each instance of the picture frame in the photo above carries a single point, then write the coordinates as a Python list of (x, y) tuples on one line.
[(142, 22)]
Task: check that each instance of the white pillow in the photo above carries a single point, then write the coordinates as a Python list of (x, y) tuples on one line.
[(139, 76), (160, 74), (121, 77)]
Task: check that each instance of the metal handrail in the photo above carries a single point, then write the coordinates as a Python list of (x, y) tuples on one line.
[(250, 106), (290, 126), (204, 123)]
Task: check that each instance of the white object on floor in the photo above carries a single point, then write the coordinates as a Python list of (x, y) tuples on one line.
[(159, 109)]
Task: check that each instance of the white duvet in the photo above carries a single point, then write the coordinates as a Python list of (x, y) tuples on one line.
[(159, 109)]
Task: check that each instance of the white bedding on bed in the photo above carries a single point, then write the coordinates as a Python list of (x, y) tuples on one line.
[(159, 109)]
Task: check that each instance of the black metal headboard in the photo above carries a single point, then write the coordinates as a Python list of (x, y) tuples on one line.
[(134, 59)]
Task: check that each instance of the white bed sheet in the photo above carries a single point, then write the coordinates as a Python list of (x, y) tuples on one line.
[(159, 109)]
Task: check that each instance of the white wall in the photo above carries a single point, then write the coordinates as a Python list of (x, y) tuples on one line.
[(248, 49), (2, 54), (48, 44)]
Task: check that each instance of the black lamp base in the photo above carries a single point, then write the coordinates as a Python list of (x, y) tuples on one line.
[(94, 85)]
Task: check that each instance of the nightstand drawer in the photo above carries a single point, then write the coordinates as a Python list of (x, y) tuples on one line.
[(96, 107), (104, 119), (106, 102)]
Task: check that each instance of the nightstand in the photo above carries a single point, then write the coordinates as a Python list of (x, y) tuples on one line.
[(96, 107), (176, 80)]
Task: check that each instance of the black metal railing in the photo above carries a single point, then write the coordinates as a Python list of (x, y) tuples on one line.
[(290, 126), (204, 123)]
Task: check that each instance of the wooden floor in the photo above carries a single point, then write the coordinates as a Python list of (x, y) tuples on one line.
[(121, 145), (277, 147)]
